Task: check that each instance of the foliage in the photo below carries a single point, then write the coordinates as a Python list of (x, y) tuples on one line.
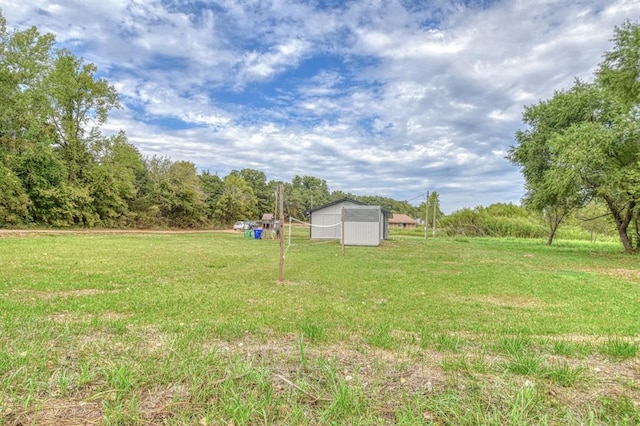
[(496, 220), (426, 209), (265, 195), (584, 143), (389, 204), (237, 200), (212, 187), (14, 201), (595, 219)]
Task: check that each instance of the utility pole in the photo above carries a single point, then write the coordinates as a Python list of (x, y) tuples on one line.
[(281, 232), (426, 216), (435, 206)]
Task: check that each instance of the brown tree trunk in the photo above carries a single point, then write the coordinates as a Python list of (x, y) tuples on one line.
[(554, 223), (622, 222)]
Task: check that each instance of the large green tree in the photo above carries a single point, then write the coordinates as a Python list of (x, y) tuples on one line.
[(51, 107), (311, 191), (584, 143), (237, 201), (549, 189), (79, 103), (265, 196), (113, 179), (175, 194), (25, 58), (212, 187)]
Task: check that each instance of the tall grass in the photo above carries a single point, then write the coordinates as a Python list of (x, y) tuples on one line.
[(193, 328)]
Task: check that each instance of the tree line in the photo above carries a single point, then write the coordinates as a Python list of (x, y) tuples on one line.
[(58, 169)]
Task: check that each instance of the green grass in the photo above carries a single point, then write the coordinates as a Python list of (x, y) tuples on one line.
[(620, 348), (193, 328)]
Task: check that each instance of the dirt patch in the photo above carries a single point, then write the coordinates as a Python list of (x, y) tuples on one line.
[(632, 275), (393, 371), (54, 412), (157, 405), (6, 233), (65, 317), (506, 301), (48, 295)]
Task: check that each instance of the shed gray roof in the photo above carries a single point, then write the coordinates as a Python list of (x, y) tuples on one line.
[(348, 200)]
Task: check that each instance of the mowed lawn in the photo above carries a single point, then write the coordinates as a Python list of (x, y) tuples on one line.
[(194, 328)]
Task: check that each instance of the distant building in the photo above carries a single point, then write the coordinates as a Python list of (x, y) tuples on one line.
[(268, 219), (399, 220), (269, 222), (364, 225)]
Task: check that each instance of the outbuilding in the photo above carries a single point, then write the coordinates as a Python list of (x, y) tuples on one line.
[(364, 224), (268, 219), (400, 220)]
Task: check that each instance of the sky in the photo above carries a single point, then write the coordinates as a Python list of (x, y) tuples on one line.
[(379, 97)]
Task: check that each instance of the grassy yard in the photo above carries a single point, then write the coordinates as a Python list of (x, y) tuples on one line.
[(193, 328)]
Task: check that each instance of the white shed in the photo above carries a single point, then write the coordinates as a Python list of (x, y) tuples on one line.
[(364, 225)]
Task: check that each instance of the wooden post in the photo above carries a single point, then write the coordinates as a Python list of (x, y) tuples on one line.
[(281, 232)]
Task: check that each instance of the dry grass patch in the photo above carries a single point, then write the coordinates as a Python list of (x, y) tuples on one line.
[(49, 295), (513, 301), (632, 275)]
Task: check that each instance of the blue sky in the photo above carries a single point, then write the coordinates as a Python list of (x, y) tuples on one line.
[(378, 97)]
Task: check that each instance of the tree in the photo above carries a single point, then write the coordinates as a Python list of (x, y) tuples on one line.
[(212, 186), (51, 107), (112, 179), (595, 219), (237, 200), (389, 204), (584, 143), (14, 202), (619, 73), (548, 190), (24, 61), (79, 104), (175, 195), (311, 191), (265, 196), (293, 204)]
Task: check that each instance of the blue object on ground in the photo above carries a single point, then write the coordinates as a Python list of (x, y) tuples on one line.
[(257, 233)]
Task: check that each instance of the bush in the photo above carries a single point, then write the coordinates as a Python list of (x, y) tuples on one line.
[(498, 220)]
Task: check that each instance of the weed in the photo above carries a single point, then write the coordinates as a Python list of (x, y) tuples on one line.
[(313, 332), (527, 364), (347, 400), (465, 364), (381, 336), (425, 336), (569, 348), (564, 374), (522, 407), (120, 379), (301, 352), (448, 342), (619, 348), (618, 410), (514, 345)]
